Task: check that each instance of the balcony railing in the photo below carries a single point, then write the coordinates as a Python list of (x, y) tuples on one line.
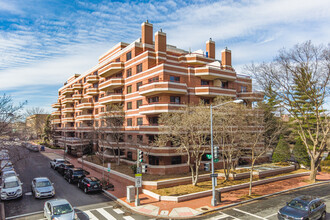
[(67, 100), (158, 108), (77, 96), (252, 96), (77, 86), (112, 98), (111, 69), (111, 84), (92, 91), (92, 78), (211, 91), (56, 105), (67, 91), (85, 105), (86, 117), (213, 72), (163, 87)]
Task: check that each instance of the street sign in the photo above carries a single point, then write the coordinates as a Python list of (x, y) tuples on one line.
[(138, 170), (216, 160), (109, 167), (138, 180), (209, 156), (214, 175)]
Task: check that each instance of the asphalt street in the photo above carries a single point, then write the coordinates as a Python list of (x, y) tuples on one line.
[(267, 208), (34, 164)]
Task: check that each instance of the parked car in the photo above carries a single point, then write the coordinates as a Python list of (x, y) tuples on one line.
[(56, 162), (303, 207), (73, 175), (8, 173), (63, 167), (34, 148), (59, 209), (41, 187), (6, 165), (90, 184), (11, 188), (4, 155)]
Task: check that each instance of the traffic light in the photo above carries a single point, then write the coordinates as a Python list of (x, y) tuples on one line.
[(140, 156), (206, 166), (144, 168), (216, 152)]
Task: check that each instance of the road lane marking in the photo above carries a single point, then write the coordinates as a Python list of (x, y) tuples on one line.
[(271, 215), (118, 211), (28, 194), (128, 218), (91, 216), (247, 213), (24, 215), (106, 214)]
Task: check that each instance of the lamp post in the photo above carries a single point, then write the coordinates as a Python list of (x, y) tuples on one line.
[(214, 201)]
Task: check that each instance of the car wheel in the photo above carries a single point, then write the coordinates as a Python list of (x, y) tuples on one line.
[(85, 190), (70, 181), (323, 216)]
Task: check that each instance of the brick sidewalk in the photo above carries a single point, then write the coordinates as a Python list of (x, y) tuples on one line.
[(151, 206)]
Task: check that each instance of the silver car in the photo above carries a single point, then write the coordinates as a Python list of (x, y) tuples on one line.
[(59, 209), (9, 173), (41, 187), (11, 188)]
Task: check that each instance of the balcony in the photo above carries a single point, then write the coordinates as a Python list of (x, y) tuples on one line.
[(214, 72), (74, 141), (251, 96), (56, 113), (111, 69), (112, 98), (92, 78), (77, 86), (163, 87), (209, 91), (56, 121), (88, 117), (158, 108), (111, 84), (68, 110), (68, 119), (67, 100), (85, 105), (56, 105), (92, 91), (67, 91), (195, 59), (77, 96)]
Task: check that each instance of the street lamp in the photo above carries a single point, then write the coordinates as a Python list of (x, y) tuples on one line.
[(214, 201)]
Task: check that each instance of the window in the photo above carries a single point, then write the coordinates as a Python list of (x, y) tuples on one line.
[(205, 101), (129, 122), (129, 89), (129, 105), (138, 103), (129, 137), (139, 138), (129, 72), (155, 79), (129, 56), (175, 99), (243, 89), (85, 80), (205, 82), (138, 86), (153, 120), (95, 85), (129, 154), (139, 68), (224, 85), (153, 99), (139, 121), (174, 79), (176, 160)]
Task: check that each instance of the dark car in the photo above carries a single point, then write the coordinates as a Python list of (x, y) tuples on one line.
[(73, 175), (63, 168), (303, 207), (90, 184)]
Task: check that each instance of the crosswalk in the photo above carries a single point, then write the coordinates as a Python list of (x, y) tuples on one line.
[(105, 213)]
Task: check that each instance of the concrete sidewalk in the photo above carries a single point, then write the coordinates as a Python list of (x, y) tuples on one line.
[(187, 209)]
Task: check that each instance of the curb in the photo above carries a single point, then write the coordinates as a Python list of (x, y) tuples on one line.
[(265, 196), (2, 211)]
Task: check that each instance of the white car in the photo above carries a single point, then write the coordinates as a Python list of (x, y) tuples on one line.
[(56, 162), (59, 209), (42, 187), (9, 173), (11, 188)]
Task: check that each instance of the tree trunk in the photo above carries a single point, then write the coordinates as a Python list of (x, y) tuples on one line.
[(251, 178), (192, 175), (313, 173), (118, 152)]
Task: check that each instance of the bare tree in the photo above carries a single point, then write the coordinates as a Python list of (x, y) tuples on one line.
[(9, 113), (300, 79), (188, 130)]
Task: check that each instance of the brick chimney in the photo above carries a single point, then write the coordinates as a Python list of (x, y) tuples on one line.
[(160, 46), (210, 48), (226, 59), (147, 33)]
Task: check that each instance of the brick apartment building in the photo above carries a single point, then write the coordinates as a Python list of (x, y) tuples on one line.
[(148, 77)]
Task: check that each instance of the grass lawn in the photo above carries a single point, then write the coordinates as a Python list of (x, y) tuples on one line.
[(207, 185)]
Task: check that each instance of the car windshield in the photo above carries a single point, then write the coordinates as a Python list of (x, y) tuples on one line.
[(78, 172), (5, 175), (298, 205), (43, 183), (11, 184), (62, 209)]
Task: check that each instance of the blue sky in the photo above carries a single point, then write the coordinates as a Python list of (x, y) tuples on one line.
[(43, 42)]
